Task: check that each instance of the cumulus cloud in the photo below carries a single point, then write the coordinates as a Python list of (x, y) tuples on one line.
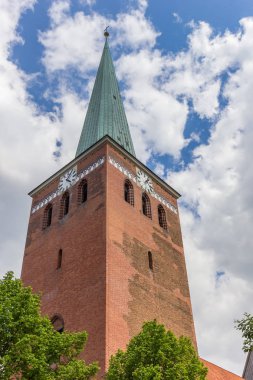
[(134, 30), (88, 2), (217, 197), (177, 18), (27, 141), (76, 40), (10, 13), (150, 109), (12, 238), (59, 11)]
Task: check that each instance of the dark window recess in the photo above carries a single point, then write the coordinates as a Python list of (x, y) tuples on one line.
[(150, 260), (58, 323), (59, 261), (82, 192), (47, 217), (114, 97), (162, 217), (129, 192), (64, 207), (146, 207)]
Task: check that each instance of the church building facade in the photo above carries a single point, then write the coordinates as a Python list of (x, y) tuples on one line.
[(104, 244)]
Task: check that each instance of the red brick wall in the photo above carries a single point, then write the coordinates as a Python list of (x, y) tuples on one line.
[(77, 290), (135, 293), (217, 373), (105, 285)]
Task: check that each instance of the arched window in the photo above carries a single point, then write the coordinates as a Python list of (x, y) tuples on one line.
[(47, 217), (59, 260), (129, 192), (82, 192), (64, 208), (150, 260), (58, 323), (146, 207), (162, 217)]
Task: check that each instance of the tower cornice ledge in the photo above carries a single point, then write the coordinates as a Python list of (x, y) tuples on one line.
[(95, 146)]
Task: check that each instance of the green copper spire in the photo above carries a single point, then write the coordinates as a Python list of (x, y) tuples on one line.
[(105, 114)]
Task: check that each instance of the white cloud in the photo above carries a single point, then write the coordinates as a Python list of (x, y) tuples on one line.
[(27, 141), (177, 18), (10, 13), (134, 30), (76, 40), (195, 137), (142, 4), (59, 11), (159, 169), (217, 187), (156, 113), (88, 2)]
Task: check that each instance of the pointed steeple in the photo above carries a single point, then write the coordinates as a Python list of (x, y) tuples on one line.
[(105, 114)]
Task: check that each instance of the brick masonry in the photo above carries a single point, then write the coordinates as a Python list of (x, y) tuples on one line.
[(105, 285), (217, 373)]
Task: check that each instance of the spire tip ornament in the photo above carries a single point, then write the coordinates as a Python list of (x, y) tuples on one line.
[(106, 33)]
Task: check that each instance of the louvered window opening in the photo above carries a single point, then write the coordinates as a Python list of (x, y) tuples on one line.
[(129, 192), (64, 207), (82, 192), (47, 217), (162, 217), (146, 207)]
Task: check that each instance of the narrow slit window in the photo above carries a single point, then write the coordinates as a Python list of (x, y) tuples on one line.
[(129, 192), (82, 192), (58, 323), (162, 217), (146, 207), (150, 260), (47, 217), (66, 205), (59, 260)]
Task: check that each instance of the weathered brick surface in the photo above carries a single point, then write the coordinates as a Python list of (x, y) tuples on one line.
[(135, 293), (105, 285), (77, 290), (217, 373)]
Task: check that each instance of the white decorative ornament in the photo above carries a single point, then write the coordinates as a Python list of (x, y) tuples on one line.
[(144, 181), (135, 179), (68, 179)]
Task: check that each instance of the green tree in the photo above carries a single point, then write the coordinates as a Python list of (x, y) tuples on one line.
[(156, 354), (245, 325), (30, 348)]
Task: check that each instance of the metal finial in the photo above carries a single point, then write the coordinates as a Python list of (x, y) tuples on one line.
[(106, 33)]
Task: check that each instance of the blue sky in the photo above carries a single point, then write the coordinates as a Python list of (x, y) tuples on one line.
[(186, 77), (170, 18), (221, 15)]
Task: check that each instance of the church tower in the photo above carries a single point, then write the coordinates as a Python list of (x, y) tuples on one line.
[(104, 245)]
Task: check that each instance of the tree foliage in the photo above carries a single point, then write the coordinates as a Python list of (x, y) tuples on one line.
[(245, 325), (156, 354), (30, 348)]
